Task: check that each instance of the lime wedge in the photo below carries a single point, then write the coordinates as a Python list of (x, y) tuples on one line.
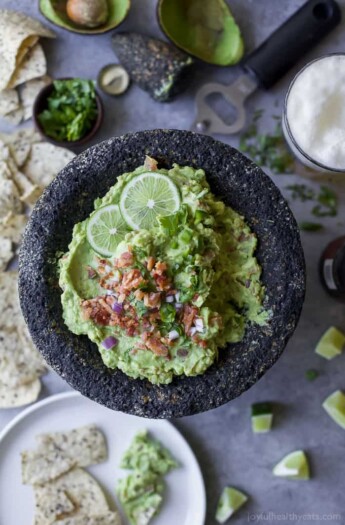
[(145, 197), (293, 466), (230, 500), (335, 407), (262, 417), (106, 229), (331, 343)]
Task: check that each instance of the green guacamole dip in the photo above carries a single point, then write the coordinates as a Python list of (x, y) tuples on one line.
[(181, 290)]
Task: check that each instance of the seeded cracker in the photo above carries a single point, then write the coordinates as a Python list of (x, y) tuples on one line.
[(20, 395), (51, 505), (111, 518), (86, 445), (43, 465)]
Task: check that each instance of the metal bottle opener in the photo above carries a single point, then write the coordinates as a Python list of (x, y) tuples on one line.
[(267, 64)]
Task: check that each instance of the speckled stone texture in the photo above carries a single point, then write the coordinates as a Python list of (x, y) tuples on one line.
[(69, 199)]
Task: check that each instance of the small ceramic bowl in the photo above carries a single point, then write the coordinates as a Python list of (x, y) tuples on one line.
[(40, 105)]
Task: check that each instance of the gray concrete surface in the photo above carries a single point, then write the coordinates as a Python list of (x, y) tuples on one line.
[(227, 450)]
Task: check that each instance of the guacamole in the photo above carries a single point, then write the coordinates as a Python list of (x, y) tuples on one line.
[(171, 294)]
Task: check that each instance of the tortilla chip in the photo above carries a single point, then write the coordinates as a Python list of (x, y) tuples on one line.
[(29, 192), (43, 465), (45, 162), (5, 172), (29, 93), (83, 490), (14, 117), (9, 101), (6, 254), (20, 395), (18, 33), (51, 505), (9, 199), (86, 445), (20, 363), (19, 143), (13, 227), (34, 65), (111, 518)]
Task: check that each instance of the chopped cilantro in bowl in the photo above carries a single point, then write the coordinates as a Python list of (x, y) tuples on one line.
[(68, 110)]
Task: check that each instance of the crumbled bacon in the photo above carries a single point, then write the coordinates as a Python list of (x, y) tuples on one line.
[(157, 347), (150, 263), (139, 295), (159, 268), (131, 280), (189, 314), (152, 300), (125, 260), (163, 283)]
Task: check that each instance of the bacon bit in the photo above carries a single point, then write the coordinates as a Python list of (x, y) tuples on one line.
[(144, 336), (150, 263), (150, 164), (121, 298), (159, 268), (125, 260), (131, 280), (139, 295), (199, 342), (157, 347), (152, 300), (163, 283), (91, 272), (189, 313), (106, 306)]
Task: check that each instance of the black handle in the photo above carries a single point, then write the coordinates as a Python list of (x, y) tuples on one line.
[(292, 40)]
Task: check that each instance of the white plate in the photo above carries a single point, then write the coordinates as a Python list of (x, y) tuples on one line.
[(184, 502)]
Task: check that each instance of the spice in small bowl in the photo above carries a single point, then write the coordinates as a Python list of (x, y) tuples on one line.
[(113, 79), (68, 111)]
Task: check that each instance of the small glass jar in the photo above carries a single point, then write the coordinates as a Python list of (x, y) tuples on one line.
[(295, 148), (332, 268)]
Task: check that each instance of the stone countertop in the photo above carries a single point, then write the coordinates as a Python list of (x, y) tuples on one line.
[(228, 452)]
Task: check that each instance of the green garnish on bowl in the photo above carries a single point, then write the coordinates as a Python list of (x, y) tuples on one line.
[(71, 110)]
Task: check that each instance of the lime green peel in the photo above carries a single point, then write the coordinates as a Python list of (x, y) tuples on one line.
[(262, 417), (229, 502), (331, 343), (335, 407), (293, 466), (106, 229)]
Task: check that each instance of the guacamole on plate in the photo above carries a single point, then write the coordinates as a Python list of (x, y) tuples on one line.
[(174, 290)]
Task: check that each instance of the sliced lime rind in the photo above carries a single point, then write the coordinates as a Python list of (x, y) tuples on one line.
[(262, 423), (106, 229), (293, 466), (229, 502), (331, 343), (147, 196), (335, 407)]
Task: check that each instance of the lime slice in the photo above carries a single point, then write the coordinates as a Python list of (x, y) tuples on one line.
[(106, 229), (335, 407), (331, 343), (230, 500), (293, 466), (145, 197), (262, 417)]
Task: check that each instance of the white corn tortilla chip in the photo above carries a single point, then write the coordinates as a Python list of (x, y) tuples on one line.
[(19, 143), (6, 254), (83, 490), (51, 505), (45, 162), (14, 117), (34, 65), (43, 465), (85, 444), (13, 227), (29, 192), (20, 395), (10, 314), (5, 172), (111, 518), (9, 199), (18, 33), (20, 363), (9, 101), (29, 93)]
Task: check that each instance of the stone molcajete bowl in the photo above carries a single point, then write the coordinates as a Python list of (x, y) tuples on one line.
[(69, 199)]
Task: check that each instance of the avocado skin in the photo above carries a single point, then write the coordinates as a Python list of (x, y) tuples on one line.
[(156, 66)]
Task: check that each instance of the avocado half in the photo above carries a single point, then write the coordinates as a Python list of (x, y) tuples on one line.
[(206, 30), (55, 12)]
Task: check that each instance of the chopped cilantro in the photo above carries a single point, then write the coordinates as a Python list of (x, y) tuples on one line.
[(71, 110), (310, 226), (327, 203), (311, 375), (301, 192)]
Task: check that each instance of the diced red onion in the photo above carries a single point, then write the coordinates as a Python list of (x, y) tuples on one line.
[(173, 335), (169, 299), (109, 342), (177, 297), (108, 268), (199, 325), (193, 331), (117, 308), (178, 306)]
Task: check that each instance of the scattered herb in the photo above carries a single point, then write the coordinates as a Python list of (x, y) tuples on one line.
[(311, 375), (310, 226), (328, 203), (267, 150), (301, 192), (71, 110)]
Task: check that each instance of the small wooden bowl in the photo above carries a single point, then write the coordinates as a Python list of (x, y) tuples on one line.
[(40, 105)]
